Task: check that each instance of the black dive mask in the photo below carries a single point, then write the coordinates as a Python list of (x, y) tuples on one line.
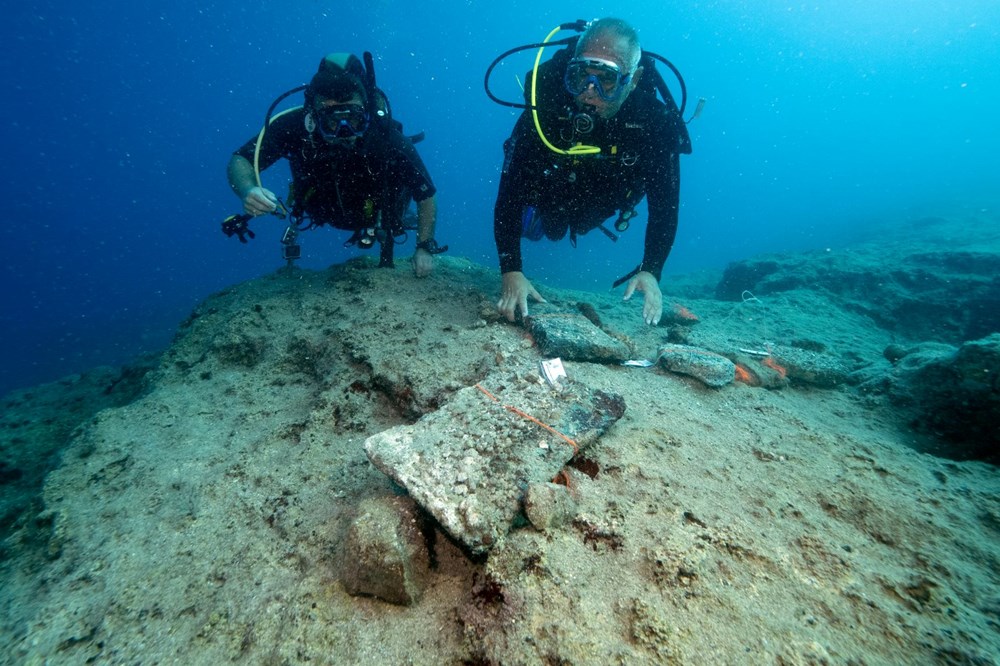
[(606, 77), (341, 121)]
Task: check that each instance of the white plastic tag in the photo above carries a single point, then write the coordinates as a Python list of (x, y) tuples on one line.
[(553, 371)]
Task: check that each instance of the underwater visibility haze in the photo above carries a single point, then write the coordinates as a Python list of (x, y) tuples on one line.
[(119, 119), (204, 459)]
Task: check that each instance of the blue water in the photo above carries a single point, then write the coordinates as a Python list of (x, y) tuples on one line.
[(119, 118)]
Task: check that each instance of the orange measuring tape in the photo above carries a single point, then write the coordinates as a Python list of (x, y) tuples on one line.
[(515, 410)]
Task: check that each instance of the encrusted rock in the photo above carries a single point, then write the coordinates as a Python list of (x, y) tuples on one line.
[(548, 505), (385, 554), (945, 295), (469, 463), (810, 367), (574, 337), (954, 394), (712, 369)]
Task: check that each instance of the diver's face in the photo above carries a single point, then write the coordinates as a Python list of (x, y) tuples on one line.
[(606, 48), (343, 121)]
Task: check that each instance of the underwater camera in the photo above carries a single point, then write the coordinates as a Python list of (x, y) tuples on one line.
[(290, 250)]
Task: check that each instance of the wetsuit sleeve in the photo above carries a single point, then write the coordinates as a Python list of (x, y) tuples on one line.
[(663, 181), (412, 171), (277, 139), (506, 225), (511, 199)]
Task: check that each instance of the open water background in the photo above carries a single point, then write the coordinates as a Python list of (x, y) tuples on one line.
[(119, 117)]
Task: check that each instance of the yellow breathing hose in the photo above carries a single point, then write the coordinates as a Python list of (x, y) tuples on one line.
[(260, 139), (578, 149)]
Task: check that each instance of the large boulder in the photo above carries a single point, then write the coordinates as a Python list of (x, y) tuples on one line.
[(941, 295), (953, 394)]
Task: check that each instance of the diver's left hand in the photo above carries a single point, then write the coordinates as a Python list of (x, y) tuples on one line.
[(652, 307), (423, 263)]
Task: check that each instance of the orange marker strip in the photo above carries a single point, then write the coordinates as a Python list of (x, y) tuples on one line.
[(515, 410)]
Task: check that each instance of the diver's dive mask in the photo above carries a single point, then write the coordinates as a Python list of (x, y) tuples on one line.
[(604, 75), (341, 121)]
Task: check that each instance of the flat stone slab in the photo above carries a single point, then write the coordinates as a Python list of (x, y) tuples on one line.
[(713, 369), (809, 367), (573, 337), (778, 365), (470, 463)]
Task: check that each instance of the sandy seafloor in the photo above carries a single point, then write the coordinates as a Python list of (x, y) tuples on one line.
[(195, 514)]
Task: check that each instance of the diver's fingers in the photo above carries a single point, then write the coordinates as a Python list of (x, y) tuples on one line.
[(423, 264), (651, 315), (260, 201), (629, 290), (253, 206), (270, 196), (506, 306), (652, 309), (535, 295)]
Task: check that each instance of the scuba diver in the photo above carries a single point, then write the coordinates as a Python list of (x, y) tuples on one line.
[(351, 165), (593, 140)]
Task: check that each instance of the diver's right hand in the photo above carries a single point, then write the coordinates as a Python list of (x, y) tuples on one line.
[(259, 201), (514, 295)]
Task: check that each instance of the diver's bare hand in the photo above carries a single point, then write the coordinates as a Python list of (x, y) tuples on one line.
[(514, 295), (652, 306), (423, 263), (259, 201)]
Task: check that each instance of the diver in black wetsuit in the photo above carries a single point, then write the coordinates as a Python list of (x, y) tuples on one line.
[(352, 167), (552, 183)]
